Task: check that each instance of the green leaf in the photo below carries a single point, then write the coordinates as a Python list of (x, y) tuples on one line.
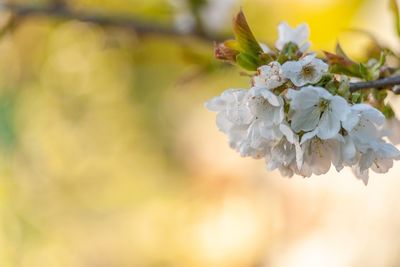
[(344, 87), (247, 61), (289, 52), (331, 87), (356, 97), (394, 7), (388, 112), (245, 38), (364, 71)]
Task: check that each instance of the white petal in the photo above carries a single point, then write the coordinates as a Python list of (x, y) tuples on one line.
[(328, 126), (298, 35), (288, 133), (370, 113), (351, 120), (308, 136), (340, 107), (291, 69), (299, 80), (223, 124), (335, 147), (215, 104), (273, 99), (299, 155), (362, 175), (321, 162), (382, 165), (366, 160), (305, 120), (307, 59), (348, 149), (320, 65), (304, 99), (387, 150)]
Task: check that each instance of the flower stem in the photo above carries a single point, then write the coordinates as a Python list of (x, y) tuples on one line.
[(140, 27), (378, 84)]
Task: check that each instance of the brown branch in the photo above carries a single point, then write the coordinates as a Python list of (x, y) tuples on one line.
[(378, 84), (140, 27)]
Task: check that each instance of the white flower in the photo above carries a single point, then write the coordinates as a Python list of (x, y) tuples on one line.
[(379, 157), (250, 119), (362, 124), (308, 70), (286, 155), (267, 110), (317, 112), (269, 76), (298, 36), (265, 106), (234, 116), (319, 155)]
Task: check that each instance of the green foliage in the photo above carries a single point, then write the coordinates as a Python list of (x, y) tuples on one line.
[(245, 49), (388, 111), (289, 52)]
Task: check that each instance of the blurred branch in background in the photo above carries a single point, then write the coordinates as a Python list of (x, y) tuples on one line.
[(382, 83), (140, 27)]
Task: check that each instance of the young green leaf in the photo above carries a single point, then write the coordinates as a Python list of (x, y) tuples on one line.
[(364, 72), (247, 61), (245, 38)]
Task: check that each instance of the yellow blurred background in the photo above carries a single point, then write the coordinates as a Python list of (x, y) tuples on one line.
[(109, 159)]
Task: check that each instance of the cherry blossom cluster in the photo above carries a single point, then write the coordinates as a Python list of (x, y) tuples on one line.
[(294, 119)]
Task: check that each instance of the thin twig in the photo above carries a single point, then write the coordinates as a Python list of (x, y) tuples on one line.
[(379, 84), (140, 27)]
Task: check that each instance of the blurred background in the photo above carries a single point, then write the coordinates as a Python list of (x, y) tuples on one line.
[(108, 157)]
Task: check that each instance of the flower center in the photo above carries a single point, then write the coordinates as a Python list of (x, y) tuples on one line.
[(323, 105), (308, 71)]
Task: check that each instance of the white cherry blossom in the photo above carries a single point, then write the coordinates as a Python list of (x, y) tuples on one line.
[(269, 76), (250, 119), (317, 112), (307, 129), (320, 154), (234, 116), (308, 70), (286, 155), (298, 36), (363, 127), (362, 124), (378, 157), (267, 111)]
